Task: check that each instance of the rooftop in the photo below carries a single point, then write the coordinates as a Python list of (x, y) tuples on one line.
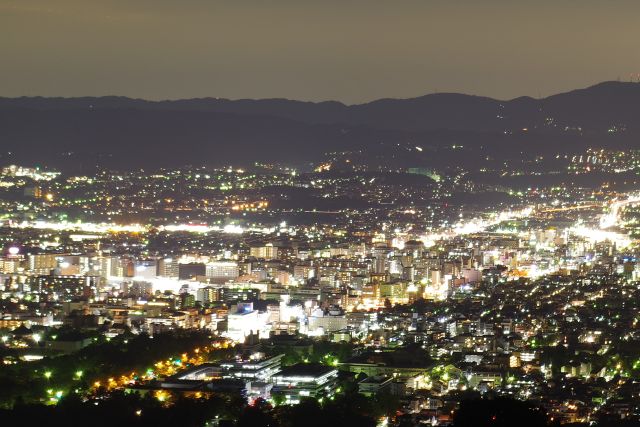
[(305, 370)]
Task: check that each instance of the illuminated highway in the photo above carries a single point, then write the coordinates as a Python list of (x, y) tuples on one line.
[(612, 218)]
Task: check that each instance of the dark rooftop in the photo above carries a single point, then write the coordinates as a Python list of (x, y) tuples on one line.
[(305, 369)]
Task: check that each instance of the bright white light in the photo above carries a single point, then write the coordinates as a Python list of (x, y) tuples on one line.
[(233, 229), (611, 219), (595, 235)]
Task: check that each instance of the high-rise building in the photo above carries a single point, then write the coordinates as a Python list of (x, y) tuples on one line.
[(168, 267), (42, 263), (207, 295), (244, 322), (146, 269), (222, 271), (267, 251)]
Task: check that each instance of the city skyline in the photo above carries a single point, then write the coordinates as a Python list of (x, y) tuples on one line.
[(190, 236)]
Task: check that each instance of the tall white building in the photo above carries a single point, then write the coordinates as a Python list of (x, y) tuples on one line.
[(222, 271), (245, 321)]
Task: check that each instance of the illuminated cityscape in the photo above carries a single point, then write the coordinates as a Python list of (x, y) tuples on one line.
[(233, 214), (417, 303)]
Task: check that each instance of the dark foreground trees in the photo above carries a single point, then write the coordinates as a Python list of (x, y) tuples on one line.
[(135, 410), (499, 412)]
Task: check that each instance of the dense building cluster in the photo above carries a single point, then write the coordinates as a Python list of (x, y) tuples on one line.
[(309, 284)]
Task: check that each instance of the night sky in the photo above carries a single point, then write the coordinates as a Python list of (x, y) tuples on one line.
[(352, 51)]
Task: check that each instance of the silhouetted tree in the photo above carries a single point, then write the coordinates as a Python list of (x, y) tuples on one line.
[(500, 412)]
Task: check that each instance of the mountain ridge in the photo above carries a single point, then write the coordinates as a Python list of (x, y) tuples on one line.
[(606, 83), (442, 110), (213, 130)]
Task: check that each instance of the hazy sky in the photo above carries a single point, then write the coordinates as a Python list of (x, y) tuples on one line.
[(351, 51)]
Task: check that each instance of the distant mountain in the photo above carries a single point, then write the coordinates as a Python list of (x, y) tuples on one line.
[(132, 132)]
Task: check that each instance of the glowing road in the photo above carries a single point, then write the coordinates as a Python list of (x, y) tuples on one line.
[(612, 218)]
